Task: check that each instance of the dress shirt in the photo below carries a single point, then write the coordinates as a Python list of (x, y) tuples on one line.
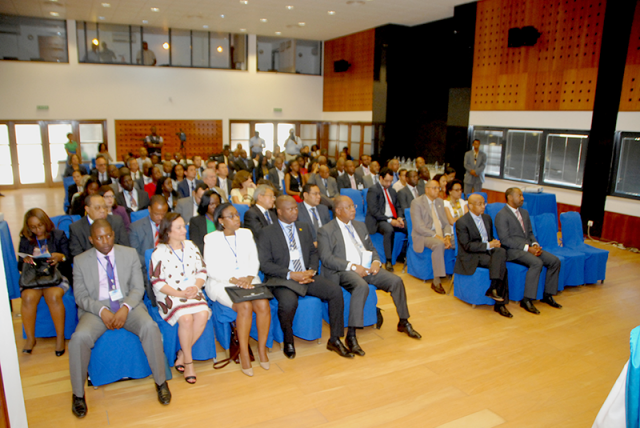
[(129, 195), (352, 180), (102, 176), (265, 213), (398, 186), (317, 216), (387, 207), (513, 210), (195, 207), (366, 170), (103, 290), (285, 230), (478, 221), (136, 175), (191, 184), (352, 252), (224, 186), (340, 174), (414, 191)]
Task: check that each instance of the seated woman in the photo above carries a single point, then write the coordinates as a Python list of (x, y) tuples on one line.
[(203, 223), (177, 175), (262, 170), (315, 151), (150, 188), (231, 257), (112, 206), (314, 167), (303, 162), (90, 188), (293, 181), (74, 165), (450, 173), (178, 275), (442, 179), (454, 206), (165, 188), (38, 236), (104, 151), (242, 188)]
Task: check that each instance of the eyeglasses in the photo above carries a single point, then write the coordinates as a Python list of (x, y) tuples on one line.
[(230, 217), (434, 187)]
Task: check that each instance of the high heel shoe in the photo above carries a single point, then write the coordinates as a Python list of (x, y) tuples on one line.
[(249, 371), (190, 379), (60, 353), (179, 367), (28, 351), (266, 365)]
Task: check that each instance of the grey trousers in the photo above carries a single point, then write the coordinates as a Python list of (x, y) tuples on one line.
[(535, 264), (474, 186), (91, 327), (437, 256)]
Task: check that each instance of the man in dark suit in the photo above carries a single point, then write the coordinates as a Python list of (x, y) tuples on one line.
[(382, 215), (477, 247), (276, 174), (289, 261), (424, 176), (100, 173), (350, 180), (516, 236), (75, 187), (311, 211), (224, 182), (110, 297), (408, 193), (244, 163), (225, 157), (339, 169), (261, 214), (189, 184), (131, 198), (145, 234), (328, 185), (344, 247), (79, 231)]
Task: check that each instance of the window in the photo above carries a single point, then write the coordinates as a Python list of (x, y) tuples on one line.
[(491, 144), (240, 135), (33, 39), (6, 170), (628, 174), (522, 155), (289, 55), (565, 156)]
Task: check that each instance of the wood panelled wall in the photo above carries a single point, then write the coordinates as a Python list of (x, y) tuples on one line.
[(351, 90), (204, 137), (630, 98), (557, 73)]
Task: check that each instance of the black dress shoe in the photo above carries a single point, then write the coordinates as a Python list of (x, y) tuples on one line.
[(388, 266), (289, 351), (164, 395), (354, 346), (379, 318), (79, 406), (408, 328), (502, 310), (438, 288), (337, 347), (528, 306), (549, 300), (493, 294)]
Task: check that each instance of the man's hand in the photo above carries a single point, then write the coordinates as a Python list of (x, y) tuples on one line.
[(120, 317), (447, 242), (107, 318), (397, 222), (302, 277), (473, 172), (360, 270), (538, 250), (375, 267), (494, 244), (191, 292)]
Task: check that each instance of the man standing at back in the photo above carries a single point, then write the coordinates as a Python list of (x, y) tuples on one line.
[(474, 163)]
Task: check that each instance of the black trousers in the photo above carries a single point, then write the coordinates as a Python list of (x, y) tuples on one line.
[(388, 234), (496, 261), (321, 288)]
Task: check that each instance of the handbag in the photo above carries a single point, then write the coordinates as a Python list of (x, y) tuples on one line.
[(234, 350), (239, 295), (39, 275)]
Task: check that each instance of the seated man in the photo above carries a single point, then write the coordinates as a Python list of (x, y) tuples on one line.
[(516, 236), (342, 243), (350, 180), (145, 234), (100, 173), (310, 211), (79, 231), (108, 288), (188, 207), (224, 181), (210, 178), (77, 187), (261, 214), (276, 174), (409, 192), (371, 179), (131, 198), (187, 186), (431, 229), (328, 185), (382, 215), (289, 261), (477, 247)]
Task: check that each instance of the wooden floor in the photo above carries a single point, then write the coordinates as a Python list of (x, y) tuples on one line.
[(472, 368)]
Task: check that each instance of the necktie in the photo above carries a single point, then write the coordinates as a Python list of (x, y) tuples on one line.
[(393, 209), (415, 192), (134, 204), (156, 237), (316, 220), (193, 187), (483, 230), (436, 219), (353, 182), (352, 234), (115, 305), (297, 265), (326, 188), (520, 220), (268, 217)]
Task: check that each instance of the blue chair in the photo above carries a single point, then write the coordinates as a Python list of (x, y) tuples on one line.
[(572, 237), (119, 164), (137, 215), (307, 323), (44, 323), (472, 288), (62, 222), (370, 316), (574, 261), (242, 209), (419, 264), (358, 200), (66, 182)]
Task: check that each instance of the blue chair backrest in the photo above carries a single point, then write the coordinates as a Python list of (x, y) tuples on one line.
[(356, 197), (119, 164), (364, 198), (187, 227), (147, 260), (407, 217), (62, 222), (546, 232), (492, 210), (572, 234), (137, 215), (483, 194), (66, 182), (242, 209)]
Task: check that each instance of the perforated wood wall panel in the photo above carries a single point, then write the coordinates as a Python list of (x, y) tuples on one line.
[(351, 90), (557, 73), (630, 97), (204, 137)]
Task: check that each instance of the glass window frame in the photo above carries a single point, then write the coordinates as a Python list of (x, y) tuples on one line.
[(65, 36), (615, 166), (320, 56)]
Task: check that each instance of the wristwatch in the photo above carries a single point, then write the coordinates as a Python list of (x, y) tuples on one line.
[(354, 267)]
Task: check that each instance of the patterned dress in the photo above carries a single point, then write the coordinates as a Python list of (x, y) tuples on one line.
[(179, 270)]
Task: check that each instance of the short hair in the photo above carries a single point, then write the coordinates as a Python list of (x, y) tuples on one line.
[(450, 170), (101, 156), (452, 183), (158, 199), (44, 219), (241, 177), (106, 188), (76, 171), (160, 185), (477, 141), (203, 206), (207, 172), (165, 226), (218, 212), (202, 186), (385, 171), (87, 199), (307, 188), (402, 169), (131, 159), (509, 191), (260, 190)]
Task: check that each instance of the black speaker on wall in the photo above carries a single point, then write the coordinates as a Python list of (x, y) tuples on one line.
[(525, 36), (341, 66)]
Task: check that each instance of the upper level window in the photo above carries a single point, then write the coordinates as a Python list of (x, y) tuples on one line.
[(33, 39), (565, 156), (491, 144), (628, 173), (289, 55)]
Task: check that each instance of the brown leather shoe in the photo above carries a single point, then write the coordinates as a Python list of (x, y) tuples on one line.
[(79, 406), (164, 395), (438, 288)]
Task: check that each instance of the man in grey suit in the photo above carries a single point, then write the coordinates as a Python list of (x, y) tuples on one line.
[(311, 211), (145, 234), (350, 180), (371, 179), (188, 207), (276, 174), (474, 163), (516, 236), (433, 232), (408, 193), (363, 169), (79, 231), (108, 290), (342, 243), (327, 185)]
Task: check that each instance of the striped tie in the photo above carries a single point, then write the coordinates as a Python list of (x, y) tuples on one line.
[(297, 264)]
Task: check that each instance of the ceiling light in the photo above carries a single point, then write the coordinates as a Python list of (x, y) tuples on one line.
[(54, 13), (301, 24), (263, 19), (106, 5), (165, 45), (144, 21), (95, 42), (243, 30), (290, 7), (278, 33), (219, 49), (244, 1), (205, 26), (221, 16), (155, 9), (101, 18), (332, 12)]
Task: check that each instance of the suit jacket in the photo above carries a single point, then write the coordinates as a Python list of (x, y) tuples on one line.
[(512, 236), (80, 231), (142, 239), (273, 251), (376, 205), (332, 250), (421, 185), (138, 182), (197, 231), (478, 165), (183, 188), (184, 207), (369, 181), (255, 221), (360, 171), (143, 201), (405, 197), (305, 217), (275, 179), (344, 182), (95, 175), (332, 185), (228, 189), (333, 172), (72, 190), (470, 244), (423, 222), (86, 280), (241, 164)]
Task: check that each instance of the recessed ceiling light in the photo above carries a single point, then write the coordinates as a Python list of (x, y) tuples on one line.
[(155, 9), (101, 18), (244, 1), (53, 1), (290, 7), (165, 45), (54, 13), (243, 30), (205, 26), (106, 5), (221, 16), (144, 21), (278, 33), (263, 19), (301, 24), (332, 12)]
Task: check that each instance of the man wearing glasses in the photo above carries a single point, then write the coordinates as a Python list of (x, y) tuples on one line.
[(311, 211)]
